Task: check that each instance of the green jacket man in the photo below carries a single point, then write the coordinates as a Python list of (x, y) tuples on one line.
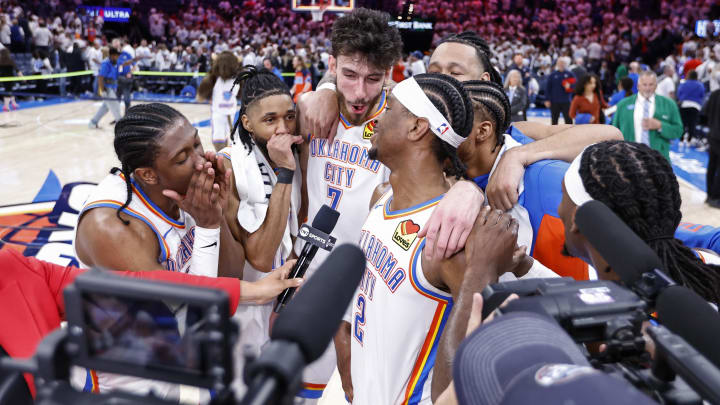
[(664, 126)]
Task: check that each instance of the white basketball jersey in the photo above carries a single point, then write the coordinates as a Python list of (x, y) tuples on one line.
[(224, 97), (175, 236), (397, 316), (342, 176)]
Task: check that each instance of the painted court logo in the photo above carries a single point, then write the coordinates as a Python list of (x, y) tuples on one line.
[(369, 129), (406, 233)]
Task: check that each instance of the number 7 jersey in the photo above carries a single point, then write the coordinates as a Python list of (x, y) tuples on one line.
[(397, 316), (343, 176)]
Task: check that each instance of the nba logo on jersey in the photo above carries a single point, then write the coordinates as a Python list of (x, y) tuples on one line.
[(406, 233), (369, 129), (226, 95)]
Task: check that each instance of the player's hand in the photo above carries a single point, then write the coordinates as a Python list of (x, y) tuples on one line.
[(318, 114), (492, 243), (267, 289), (203, 199), (504, 184), (451, 222), (280, 150), (475, 319)]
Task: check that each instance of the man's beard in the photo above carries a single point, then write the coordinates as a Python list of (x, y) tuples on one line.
[(344, 102)]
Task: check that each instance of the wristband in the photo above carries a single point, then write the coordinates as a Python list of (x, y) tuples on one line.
[(327, 86), (285, 176), (206, 251)]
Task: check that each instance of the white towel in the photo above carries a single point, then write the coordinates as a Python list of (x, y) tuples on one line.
[(253, 201)]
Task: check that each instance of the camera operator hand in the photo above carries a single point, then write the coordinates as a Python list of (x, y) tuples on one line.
[(267, 289)]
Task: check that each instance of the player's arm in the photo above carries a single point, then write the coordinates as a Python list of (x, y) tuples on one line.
[(318, 111), (101, 85), (304, 199), (343, 351), (488, 254), (104, 240), (565, 144)]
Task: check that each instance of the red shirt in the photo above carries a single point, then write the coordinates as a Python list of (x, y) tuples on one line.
[(691, 64), (31, 303)]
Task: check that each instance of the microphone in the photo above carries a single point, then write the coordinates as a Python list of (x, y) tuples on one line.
[(629, 256), (317, 236), (689, 316), (303, 331)]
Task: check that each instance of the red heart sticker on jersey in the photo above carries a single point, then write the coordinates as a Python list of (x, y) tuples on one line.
[(409, 227)]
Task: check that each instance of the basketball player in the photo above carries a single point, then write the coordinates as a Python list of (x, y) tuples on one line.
[(341, 173), (540, 188), (410, 310), (638, 184), (218, 87), (162, 211), (264, 218), (466, 56)]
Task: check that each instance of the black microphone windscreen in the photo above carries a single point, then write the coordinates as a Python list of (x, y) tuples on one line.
[(688, 315), (628, 255), (325, 219), (312, 318)]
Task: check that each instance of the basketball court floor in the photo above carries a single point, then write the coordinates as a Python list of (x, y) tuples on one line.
[(48, 154)]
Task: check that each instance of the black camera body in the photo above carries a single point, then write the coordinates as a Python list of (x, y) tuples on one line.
[(589, 311)]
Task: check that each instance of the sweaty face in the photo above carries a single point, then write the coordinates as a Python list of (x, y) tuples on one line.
[(457, 60), (389, 131), (359, 85), (273, 115), (179, 149)]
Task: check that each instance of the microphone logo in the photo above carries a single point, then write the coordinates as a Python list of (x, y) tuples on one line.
[(316, 237)]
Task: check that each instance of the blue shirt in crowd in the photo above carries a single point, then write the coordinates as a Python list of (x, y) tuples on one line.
[(109, 71), (691, 90)]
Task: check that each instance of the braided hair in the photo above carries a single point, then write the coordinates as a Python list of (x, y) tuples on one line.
[(638, 184), (452, 101), (136, 136), (255, 84), (482, 49), (492, 104)]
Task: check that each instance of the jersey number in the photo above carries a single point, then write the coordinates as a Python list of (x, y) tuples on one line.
[(359, 319), (334, 194)]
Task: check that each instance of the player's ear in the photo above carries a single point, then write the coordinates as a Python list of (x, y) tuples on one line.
[(419, 129), (246, 123), (483, 131), (146, 174), (485, 76), (332, 65)]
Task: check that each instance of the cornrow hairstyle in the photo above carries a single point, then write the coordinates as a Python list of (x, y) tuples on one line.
[(136, 136), (638, 184), (255, 84), (452, 101), (224, 66), (482, 49), (368, 33), (491, 102)]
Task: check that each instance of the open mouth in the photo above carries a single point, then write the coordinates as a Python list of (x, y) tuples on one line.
[(358, 108)]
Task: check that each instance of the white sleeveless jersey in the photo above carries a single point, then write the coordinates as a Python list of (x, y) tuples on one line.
[(397, 317), (224, 97), (175, 238), (342, 176)]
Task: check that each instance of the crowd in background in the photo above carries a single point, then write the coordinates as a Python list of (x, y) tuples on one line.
[(531, 41)]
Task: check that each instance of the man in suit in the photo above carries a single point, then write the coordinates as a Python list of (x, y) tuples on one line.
[(649, 118)]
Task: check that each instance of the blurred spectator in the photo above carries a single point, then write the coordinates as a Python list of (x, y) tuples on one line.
[(711, 110), (417, 65), (559, 90), (587, 105), (398, 71), (268, 64), (8, 69), (303, 81), (666, 86), (625, 89), (690, 95), (517, 95)]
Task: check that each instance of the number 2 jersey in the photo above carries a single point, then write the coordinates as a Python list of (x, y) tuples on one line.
[(397, 316), (343, 176)]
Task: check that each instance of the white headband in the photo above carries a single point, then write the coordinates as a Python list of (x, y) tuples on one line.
[(409, 94), (573, 183)]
